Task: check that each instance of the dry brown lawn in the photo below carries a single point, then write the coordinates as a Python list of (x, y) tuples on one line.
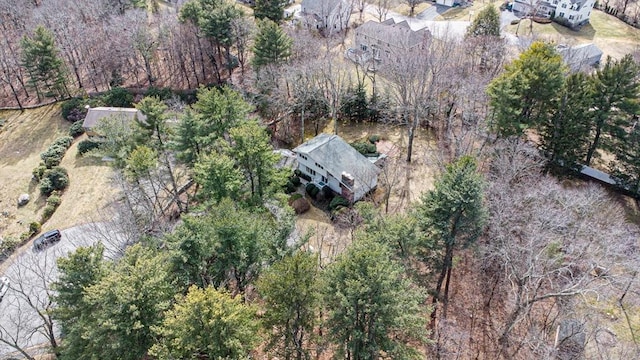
[(23, 137)]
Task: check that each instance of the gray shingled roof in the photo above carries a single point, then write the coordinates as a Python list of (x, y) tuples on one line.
[(390, 32), (94, 115), (336, 156), (319, 7)]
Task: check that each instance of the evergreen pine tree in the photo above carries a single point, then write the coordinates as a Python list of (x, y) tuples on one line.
[(565, 135), (626, 167), (270, 9), (616, 91), (45, 68), (272, 45), (487, 23), (528, 91)]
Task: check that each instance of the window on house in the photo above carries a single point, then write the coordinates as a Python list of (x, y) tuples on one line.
[(564, 6), (363, 47), (570, 17), (561, 14), (303, 156), (555, 2), (320, 166), (310, 171), (324, 179)]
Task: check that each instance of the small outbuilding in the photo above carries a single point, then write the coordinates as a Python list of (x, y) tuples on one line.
[(95, 115)]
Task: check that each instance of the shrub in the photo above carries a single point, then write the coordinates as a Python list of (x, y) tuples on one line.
[(294, 197), (54, 200), (305, 176), (73, 109), (337, 203), (118, 97), (64, 141), (312, 190), (53, 155), (295, 180), (161, 93), (301, 205), (289, 187), (374, 138), (34, 228), (47, 212), (87, 145), (39, 171), (76, 129), (365, 148), (8, 245), (54, 179)]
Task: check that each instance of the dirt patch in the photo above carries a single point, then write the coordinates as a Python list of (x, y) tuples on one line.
[(22, 138)]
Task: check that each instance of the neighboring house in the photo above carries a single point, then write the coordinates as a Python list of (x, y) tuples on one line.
[(378, 43), (330, 161), (94, 115), (581, 57), (326, 16), (447, 2), (571, 13)]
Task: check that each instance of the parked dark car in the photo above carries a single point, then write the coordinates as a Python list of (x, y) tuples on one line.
[(46, 239)]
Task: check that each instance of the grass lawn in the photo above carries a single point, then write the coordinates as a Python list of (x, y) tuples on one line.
[(404, 9), (22, 138), (462, 14), (613, 36)]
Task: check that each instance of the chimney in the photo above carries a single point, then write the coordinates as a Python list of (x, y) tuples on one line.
[(347, 179)]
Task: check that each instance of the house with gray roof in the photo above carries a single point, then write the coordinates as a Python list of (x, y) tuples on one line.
[(583, 57), (570, 13), (385, 42), (326, 16), (95, 115), (330, 161)]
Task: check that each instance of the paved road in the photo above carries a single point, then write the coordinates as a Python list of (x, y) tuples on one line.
[(432, 12), (31, 273)]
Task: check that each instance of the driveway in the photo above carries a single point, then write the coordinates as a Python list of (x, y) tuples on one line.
[(31, 274), (432, 12)]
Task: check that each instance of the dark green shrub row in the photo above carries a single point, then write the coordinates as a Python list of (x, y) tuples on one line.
[(365, 148), (53, 201), (74, 109), (312, 190), (337, 203), (55, 152), (54, 179), (374, 138), (8, 246), (292, 184), (87, 145), (34, 228), (76, 129), (302, 175)]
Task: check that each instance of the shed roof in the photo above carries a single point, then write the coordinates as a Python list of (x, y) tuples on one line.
[(94, 115), (580, 55), (336, 156)]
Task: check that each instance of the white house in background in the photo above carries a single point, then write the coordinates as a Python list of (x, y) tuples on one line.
[(326, 16), (447, 2), (581, 57), (571, 13), (96, 114), (330, 161)]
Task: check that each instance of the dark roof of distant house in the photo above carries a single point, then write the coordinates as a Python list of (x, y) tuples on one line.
[(390, 32), (336, 156), (94, 115), (580, 55)]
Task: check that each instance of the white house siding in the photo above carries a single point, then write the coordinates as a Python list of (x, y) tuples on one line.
[(573, 13), (333, 183)]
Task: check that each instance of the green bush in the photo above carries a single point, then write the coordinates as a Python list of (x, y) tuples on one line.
[(294, 197), (64, 141), (39, 170), (76, 129), (118, 97), (365, 148), (305, 176), (312, 190), (53, 155), (85, 146), (47, 212), (338, 202), (289, 187), (374, 138), (164, 93), (54, 179), (54, 200), (295, 180), (74, 109), (34, 228), (8, 245)]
